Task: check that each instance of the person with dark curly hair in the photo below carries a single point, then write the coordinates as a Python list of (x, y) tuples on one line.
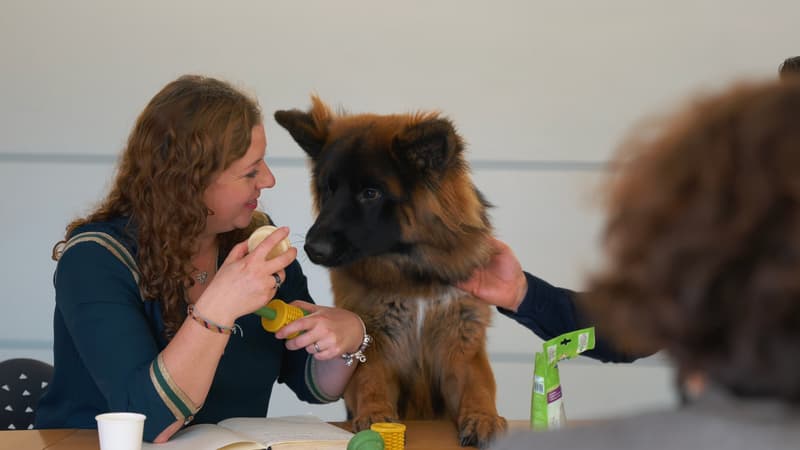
[(155, 288), (703, 260), (790, 67)]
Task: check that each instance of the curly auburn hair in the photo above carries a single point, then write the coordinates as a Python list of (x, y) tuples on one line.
[(191, 130), (702, 242)]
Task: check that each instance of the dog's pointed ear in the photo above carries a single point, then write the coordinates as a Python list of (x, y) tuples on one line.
[(428, 145), (308, 129)]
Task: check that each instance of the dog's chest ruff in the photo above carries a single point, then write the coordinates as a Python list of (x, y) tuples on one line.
[(426, 306)]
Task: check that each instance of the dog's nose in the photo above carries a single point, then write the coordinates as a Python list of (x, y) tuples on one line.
[(319, 251)]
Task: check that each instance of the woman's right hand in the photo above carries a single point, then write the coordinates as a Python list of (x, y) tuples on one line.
[(245, 282)]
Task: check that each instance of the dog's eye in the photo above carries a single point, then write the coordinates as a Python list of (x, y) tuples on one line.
[(369, 194)]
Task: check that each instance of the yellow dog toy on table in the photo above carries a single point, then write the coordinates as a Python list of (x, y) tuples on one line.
[(393, 434)]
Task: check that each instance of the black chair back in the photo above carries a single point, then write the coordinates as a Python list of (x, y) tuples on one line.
[(22, 381)]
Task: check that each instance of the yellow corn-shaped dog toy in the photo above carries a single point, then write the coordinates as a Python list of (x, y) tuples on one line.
[(393, 434), (277, 314)]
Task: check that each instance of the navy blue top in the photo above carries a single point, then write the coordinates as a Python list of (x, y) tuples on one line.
[(107, 341), (550, 311)]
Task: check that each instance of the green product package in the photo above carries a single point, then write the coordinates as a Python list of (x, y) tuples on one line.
[(547, 402)]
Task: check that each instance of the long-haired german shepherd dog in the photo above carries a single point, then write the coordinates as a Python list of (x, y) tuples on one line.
[(399, 222)]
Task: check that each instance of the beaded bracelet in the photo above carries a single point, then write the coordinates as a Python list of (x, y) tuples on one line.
[(358, 354), (211, 325)]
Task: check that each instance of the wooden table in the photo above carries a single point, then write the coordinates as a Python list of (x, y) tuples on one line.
[(420, 435), (67, 439)]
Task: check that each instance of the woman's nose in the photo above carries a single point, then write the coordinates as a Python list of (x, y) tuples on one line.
[(267, 179)]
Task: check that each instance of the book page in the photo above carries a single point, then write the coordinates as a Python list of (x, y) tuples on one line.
[(290, 432), (205, 436)]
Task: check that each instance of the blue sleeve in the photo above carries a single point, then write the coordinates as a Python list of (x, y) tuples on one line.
[(103, 313), (550, 311)]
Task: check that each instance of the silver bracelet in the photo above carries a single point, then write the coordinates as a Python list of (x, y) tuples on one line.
[(358, 354)]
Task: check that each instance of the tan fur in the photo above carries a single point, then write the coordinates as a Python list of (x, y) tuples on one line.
[(449, 353)]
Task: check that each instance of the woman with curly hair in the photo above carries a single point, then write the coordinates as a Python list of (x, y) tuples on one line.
[(155, 288), (703, 260)]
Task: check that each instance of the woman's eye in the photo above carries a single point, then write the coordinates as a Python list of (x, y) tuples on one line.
[(369, 194), (252, 174)]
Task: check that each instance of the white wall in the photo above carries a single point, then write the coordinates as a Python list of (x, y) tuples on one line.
[(542, 91)]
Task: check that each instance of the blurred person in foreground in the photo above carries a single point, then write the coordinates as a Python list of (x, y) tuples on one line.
[(790, 67), (703, 260)]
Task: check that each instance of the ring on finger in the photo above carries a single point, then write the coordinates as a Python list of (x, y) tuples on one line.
[(277, 280), (316, 348)]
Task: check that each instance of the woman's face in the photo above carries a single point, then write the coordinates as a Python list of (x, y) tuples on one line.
[(233, 194)]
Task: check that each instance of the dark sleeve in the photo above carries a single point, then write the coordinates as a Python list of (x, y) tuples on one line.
[(550, 311), (296, 368), (103, 313)]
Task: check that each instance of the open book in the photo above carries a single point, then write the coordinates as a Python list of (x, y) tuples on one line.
[(252, 433)]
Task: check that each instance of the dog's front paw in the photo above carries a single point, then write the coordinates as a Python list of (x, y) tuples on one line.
[(363, 422), (479, 429)]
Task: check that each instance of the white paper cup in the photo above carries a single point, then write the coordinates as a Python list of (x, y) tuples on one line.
[(120, 430)]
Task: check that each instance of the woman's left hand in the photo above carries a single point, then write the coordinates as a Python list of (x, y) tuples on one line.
[(335, 331)]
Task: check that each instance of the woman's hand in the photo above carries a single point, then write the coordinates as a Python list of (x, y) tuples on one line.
[(245, 282), (335, 331), (501, 281)]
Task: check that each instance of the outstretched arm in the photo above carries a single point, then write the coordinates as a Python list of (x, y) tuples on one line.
[(547, 310)]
